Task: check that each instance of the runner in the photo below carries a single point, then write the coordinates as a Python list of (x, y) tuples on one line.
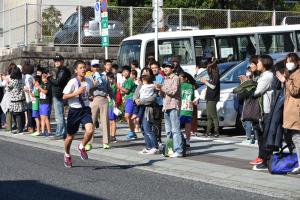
[(77, 93)]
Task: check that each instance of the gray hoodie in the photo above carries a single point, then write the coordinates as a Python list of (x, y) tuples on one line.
[(264, 89)]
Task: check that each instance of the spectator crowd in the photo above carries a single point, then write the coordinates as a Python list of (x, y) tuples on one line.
[(97, 93)]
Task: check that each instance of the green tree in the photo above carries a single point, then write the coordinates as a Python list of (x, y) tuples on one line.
[(51, 19)]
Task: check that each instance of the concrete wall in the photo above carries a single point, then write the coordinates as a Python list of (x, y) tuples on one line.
[(44, 55)]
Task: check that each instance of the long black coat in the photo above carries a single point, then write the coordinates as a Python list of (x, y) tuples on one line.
[(273, 130)]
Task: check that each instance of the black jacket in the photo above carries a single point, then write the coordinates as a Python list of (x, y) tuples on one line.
[(273, 130), (213, 94), (58, 84)]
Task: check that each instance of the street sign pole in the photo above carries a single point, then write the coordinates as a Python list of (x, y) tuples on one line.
[(157, 17), (104, 27), (156, 30)]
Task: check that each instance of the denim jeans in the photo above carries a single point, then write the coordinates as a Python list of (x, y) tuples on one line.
[(172, 126), (59, 117), (149, 134), (248, 128)]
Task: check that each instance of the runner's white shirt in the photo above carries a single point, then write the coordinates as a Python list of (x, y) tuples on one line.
[(74, 85)]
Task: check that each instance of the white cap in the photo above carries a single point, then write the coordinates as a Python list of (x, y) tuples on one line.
[(20, 67), (95, 62)]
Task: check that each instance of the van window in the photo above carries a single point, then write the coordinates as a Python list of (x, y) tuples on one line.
[(169, 48), (298, 39), (227, 49), (275, 43), (129, 51), (204, 48), (246, 46)]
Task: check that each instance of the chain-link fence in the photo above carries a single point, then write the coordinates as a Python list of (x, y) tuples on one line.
[(33, 24)]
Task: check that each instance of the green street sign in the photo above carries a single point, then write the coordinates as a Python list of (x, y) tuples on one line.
[(105, 41), (104, 22)]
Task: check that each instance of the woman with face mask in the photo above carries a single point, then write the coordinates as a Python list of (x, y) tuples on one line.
[(291, 112)]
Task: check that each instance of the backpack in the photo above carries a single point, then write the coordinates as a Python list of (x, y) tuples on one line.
[(282, 163), (245, 89)]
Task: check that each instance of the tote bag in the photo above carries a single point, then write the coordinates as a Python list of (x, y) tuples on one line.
[(251, 110)]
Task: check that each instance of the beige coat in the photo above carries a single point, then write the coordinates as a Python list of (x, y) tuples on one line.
[(291, 111)]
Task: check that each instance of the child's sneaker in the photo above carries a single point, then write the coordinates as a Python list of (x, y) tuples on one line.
[(175, 155), (153, 151), (131, 135), (83, 154), (67, 161), (144, 151), (37, 133), (106, 146), (113, 139), (46, 134)]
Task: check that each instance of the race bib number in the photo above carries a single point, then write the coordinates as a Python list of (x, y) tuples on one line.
[(187, 105)]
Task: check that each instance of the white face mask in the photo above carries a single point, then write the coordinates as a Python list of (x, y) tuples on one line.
[(290, 66)]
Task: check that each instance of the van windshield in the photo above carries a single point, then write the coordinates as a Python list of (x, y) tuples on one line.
[(129, 51)]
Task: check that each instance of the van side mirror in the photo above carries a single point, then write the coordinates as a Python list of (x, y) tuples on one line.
[(61, 26)]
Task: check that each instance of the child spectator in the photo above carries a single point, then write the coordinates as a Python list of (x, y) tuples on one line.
[(112, 105), (35, 95), (134, 76), (128, 89), (146, 91), (186, 110), (248, 124), (45, 105), (135, 66)]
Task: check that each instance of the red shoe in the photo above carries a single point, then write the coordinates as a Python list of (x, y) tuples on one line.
[(83, 153), (68, 161), (257, 161)]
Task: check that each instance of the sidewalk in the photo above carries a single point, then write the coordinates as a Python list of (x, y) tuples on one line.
[(221, 161)]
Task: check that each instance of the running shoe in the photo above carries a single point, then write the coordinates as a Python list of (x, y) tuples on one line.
[(260, 167), (113, 139), (175, 155), (88, 147), (153, 151), (144, 151), (106, 146), (36, 133), (131, 135), (67, 161), (257, 161), (46, 134), (295, 171), (83, 153)]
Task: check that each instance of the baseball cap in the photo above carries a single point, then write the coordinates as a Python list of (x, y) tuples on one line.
[(58, 58), (95, 63), (168, 64)]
